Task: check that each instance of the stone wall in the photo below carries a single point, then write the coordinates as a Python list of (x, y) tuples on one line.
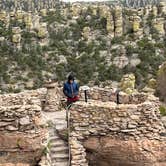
[(110, 95), (27, 121), (100, 130), (125, 123), (22, 132), (53, 98)]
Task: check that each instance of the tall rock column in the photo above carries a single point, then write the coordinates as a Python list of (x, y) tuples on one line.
[(43, 34), (118, 21), (28, 21), (154, 11), (105, 12), (162, 7), (16, 38), (76, 10), (4, 17), (110, 24), (158, 24), (138, 31), (161, 81), (146, 11), (19, 15)]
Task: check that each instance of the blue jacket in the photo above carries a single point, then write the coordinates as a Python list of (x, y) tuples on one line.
[(71, 90)]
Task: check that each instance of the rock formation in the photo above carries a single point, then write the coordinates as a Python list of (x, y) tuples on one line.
[(161, 82), (140, 3), (128, 84)]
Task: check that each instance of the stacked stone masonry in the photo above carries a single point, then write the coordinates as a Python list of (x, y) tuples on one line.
[(21, 130), (99, 126), (110, 95), (137, 119)]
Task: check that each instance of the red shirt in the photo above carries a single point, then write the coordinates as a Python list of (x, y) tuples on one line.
[(74, 99)]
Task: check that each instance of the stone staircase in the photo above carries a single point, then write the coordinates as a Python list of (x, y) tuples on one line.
[(59, 151)]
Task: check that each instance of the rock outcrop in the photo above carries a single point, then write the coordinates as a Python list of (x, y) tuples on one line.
[(108, 151), (161, 82)]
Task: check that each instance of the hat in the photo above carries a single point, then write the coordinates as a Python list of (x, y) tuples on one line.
[(70, 77)]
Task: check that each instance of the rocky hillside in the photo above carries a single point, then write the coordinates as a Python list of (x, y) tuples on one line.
[(95, 41), (139, 3)]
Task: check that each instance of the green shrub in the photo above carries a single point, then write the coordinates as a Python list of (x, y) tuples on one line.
[(163, 110), (117, 40)]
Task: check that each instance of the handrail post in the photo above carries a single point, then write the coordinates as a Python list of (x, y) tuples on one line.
[(118, 97), (68, 128)]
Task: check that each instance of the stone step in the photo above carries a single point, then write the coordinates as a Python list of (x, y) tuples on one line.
[(59, 160), (59, 143), (57, 156), (63, 149), (55, 137), (61, 122), (61, 127), (60, 164)]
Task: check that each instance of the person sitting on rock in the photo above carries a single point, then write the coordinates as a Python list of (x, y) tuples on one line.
[(71, 90)]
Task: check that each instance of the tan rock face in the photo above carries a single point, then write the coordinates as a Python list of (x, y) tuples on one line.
[(136, 23), (76, 9), (118, 21), (11, 164), (107, 151), (158, 24), (86, 32), (128, 83), (162, 7), (28, 20), (42, 31), (161, 81), (18, 148)]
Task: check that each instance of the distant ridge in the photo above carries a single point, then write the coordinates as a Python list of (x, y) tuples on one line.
[(139, 3)]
